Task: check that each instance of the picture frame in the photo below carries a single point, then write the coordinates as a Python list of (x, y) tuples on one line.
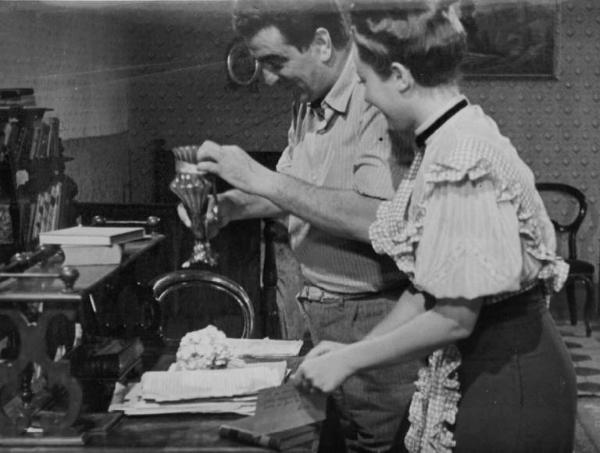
[(510, 38)]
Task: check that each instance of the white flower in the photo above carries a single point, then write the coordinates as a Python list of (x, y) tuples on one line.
[(204, 348)]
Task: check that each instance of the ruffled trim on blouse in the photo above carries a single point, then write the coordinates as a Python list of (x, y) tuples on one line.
[(434, 404), (395, 237), (473, 160)]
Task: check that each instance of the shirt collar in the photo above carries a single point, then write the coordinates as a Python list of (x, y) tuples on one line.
[(338, 97), (423, 132)]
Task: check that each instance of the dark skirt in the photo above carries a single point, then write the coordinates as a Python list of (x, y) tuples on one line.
[(517, 382)]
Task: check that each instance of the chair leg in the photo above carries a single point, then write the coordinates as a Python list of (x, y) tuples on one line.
[(590, 304), (570, 290)]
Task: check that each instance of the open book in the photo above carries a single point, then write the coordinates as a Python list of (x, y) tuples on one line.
[(162, 386), (198, 391)]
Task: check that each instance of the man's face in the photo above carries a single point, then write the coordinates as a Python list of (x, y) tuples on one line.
[(282, 62)]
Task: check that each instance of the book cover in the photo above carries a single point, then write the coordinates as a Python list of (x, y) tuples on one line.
[(92, 255), (280, 441), (36, 137), (110, 358), (284, 417), (88, 235)]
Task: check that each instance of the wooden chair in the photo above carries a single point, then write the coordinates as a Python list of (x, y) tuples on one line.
[(579, 271), (210, 296)]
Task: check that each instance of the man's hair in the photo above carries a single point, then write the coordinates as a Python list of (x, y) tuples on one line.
[(426, 36), (297, 20)]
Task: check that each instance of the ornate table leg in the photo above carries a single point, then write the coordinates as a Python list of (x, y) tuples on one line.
[(15, 376)]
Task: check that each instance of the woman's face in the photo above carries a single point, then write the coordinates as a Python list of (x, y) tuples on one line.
[(383, 94)]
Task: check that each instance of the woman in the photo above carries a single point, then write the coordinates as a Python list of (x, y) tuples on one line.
[(469, 228)]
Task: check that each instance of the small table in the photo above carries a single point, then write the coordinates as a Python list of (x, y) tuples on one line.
[(55, 292)]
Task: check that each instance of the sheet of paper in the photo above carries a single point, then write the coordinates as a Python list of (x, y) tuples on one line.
[(129, 400), (264, 348), (164, 386)]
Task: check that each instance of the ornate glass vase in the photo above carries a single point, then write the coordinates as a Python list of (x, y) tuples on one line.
[(193, 189)]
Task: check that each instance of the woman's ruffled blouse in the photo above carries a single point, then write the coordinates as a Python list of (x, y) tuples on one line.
[(476, 226), (470, 225)]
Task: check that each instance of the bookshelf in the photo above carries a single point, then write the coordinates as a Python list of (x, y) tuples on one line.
[(35, 193)]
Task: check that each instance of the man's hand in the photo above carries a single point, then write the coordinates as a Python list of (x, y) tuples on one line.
[(214, 223), (324, 373), (235, 166)]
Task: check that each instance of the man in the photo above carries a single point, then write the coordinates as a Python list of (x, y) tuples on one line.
[(331, 177)]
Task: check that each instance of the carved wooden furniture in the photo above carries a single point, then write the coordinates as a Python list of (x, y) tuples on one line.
[(35, 192), (169, 286), (35, 372), (579, 270)]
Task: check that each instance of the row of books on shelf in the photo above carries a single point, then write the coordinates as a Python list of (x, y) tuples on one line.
[(6, 227), (45, 212), (39, 140)]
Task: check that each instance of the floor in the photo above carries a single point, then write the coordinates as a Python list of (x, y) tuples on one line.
[(587, 434)]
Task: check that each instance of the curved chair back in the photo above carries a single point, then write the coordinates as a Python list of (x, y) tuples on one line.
[(175, 281), (573, 227)]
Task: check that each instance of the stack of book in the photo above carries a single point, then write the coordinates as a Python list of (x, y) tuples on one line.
[(92, 245), (11, 97), (101, 364), (107, 358), (285, 419)]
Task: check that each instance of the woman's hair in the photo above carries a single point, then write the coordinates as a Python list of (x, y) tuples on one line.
[(297, 20), (426, 36)]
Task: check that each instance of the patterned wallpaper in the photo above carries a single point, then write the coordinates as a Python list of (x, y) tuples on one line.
[(555, 124), (177, 90)]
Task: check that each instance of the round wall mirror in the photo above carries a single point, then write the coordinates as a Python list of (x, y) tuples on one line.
[(242, 67)]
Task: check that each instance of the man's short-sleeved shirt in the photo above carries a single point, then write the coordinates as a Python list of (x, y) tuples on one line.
[(343, 144)]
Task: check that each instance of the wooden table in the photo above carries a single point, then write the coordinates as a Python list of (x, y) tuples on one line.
[(163, 433), (157, 433)]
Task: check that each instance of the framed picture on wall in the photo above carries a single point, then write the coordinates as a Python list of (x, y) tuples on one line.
[(510, 38)]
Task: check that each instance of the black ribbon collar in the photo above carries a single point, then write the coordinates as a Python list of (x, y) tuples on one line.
[(423, 136)]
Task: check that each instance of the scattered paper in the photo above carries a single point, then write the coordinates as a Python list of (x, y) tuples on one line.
[(129, 399), (163, 386), (263, 348)]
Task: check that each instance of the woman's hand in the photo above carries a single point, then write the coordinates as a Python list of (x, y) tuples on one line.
[(235, 166), (323, 348), (324, 373)]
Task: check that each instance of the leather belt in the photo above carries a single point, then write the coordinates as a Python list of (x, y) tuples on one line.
[(315, 294)]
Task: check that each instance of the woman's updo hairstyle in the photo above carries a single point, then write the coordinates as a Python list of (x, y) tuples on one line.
[(426, 36)]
